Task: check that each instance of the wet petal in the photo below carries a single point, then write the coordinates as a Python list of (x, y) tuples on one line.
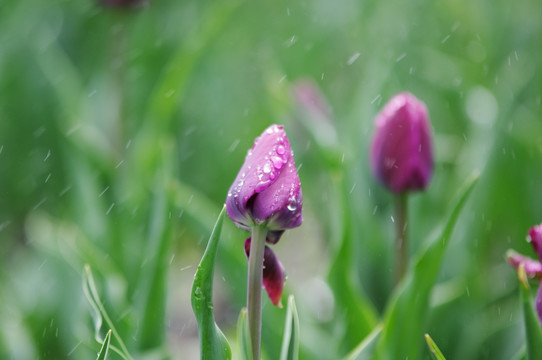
[(267, 185), (273, 274)]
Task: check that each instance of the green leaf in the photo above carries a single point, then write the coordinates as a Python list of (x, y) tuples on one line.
[(213, 343), (365, 350), (99, 314), (533, 331), (243, 337), (406, 314), (355, 309), (102, 355), (434, 348), (290, 340)]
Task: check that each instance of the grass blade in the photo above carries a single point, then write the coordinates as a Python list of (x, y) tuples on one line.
[(102, 355), (213, 343), (434, 348), (290, 341), (406, 314), (365, 350), (242, 336), (533, 331), (99, 314)]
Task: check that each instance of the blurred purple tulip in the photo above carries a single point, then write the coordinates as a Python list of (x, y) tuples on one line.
[(402, 153), (532, 267), (267, 189)]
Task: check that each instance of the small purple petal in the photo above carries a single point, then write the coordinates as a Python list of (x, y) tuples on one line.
[(532, 267), (267, 188), (401, 153), (535, 237), (273, 274)]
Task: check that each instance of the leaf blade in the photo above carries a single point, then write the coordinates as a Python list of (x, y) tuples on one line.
[(213, 343)]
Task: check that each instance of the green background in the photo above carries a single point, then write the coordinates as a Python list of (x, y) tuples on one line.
[(121, 131)]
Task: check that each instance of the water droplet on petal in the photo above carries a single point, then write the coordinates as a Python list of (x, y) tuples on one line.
[(281, 150), (292, 206), (277, 162), (267, 168)]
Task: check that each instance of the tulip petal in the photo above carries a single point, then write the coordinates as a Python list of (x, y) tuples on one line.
[(535, 237), (538, 302), (273, 274), (532, 267), (267, 188)]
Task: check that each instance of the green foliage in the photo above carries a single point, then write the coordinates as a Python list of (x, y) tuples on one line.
[(213, 343), (290, 340), (121, 132), (533, 330), (434, 348), (406, 314)]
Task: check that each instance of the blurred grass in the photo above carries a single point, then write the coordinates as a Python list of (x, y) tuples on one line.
[(102, 110)]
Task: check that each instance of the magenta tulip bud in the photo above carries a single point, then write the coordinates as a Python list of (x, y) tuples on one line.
[(267, 190), (535, 237), (401, 153), (273, 274)]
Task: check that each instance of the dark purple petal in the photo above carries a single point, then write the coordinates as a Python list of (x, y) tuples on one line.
[(532, 267), (273, 274), (535, 238), (267, 188), (401, 153)]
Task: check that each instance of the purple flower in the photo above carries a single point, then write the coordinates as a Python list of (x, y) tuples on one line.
[(532, 267), (267, 192), (401, 153), (267, 189)]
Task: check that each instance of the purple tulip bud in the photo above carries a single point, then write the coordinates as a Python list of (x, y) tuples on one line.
[(538, 303), (535, 238), (267, 190), (273, 274), (401, 153)]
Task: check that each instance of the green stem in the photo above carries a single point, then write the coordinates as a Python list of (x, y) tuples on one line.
[(254, 293), (401, 241)]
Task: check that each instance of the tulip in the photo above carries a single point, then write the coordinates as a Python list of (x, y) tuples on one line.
[(401, 153), (265, 199), (532, 267), (402, 160)]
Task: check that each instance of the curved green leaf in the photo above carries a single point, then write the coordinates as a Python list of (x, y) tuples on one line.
[(243, 337), (365, 350), (434, 348), (407, 310), (533, 331), (213, 343), (102, 355), (290, 340)]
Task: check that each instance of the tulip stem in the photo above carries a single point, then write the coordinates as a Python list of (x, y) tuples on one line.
[(401, 243), (254, 291)]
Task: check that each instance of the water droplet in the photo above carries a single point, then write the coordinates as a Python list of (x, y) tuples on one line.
[(198, 294), (267, 168), (281, 150), (292, 206), (277, 162)]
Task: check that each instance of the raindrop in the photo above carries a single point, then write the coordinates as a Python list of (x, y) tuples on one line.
[(353, 58), (277, 162), (267, 168), (281, 150), (198, 294), (103, 192), (292, 206), (110, 208), (47, 156)]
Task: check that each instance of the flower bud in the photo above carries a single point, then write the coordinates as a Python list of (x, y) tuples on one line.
[(535, 238), (401, 153), (267, 190)]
